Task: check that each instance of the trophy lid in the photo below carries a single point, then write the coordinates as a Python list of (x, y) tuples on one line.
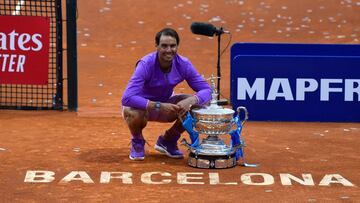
[(213, 108)]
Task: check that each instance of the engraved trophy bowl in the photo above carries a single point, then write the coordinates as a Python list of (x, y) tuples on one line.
[(213, 120)]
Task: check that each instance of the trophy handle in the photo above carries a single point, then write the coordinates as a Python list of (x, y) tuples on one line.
[(246, 114)]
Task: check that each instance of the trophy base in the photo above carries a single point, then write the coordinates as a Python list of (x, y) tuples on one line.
[(210, 161)]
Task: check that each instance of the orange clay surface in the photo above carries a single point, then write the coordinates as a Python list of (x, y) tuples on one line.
[(80, 148)]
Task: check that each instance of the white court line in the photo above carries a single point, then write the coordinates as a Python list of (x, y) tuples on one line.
[(18, 8)]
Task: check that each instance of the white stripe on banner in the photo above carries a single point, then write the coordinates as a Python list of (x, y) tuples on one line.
[(18, 8)]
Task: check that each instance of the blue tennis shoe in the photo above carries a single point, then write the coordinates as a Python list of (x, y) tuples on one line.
[(137, 151), (169, 148)]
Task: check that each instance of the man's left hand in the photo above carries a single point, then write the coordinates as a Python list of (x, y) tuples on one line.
[(185, 105)]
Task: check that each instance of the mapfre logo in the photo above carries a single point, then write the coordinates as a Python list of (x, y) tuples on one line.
[(298, 89), (24, 50)]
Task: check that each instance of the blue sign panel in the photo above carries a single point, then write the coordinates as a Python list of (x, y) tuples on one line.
[(296, 82)]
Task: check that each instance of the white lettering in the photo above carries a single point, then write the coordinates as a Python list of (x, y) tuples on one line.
[(328, 178), (351, 89), (11, 63), (183, 178), (5, 57), (301, 87), (244, 87), (247, 179), (17, 61), (35, 39), (14, 40), (286, 179), (215, 180), (280, 88), (20, 64), (23, 39), (326, 89), (12, 35), (146, 178), (3, 41), (274, 91), (83, 176), (39, 176), (105, 177)]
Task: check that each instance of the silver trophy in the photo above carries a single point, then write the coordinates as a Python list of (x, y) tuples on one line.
[(214, 121)]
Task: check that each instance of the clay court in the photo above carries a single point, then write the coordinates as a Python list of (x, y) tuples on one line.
[(78, 150)]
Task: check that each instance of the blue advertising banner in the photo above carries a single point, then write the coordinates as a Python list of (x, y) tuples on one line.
[(296, 82)]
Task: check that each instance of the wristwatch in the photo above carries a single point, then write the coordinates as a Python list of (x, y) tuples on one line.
[(157, 106)]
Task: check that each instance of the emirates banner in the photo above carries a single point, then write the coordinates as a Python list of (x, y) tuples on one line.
[(24, 50)]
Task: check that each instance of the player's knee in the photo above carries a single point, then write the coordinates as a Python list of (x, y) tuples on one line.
[(136, 117)]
